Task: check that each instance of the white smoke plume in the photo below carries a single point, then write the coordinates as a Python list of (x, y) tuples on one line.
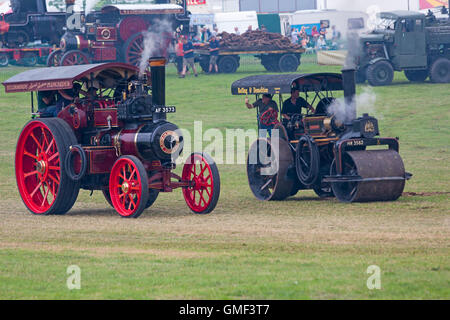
[(156, 41), (90, 4), (365, 103)]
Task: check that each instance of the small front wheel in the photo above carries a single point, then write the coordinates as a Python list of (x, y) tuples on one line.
[(203, 195), (128, 187)]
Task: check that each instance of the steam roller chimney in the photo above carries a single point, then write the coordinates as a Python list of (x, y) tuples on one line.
[(158, 76), (349, 84)]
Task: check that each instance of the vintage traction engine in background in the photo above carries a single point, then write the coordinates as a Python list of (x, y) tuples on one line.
[(332, 152), (116, 33), (115, 139)]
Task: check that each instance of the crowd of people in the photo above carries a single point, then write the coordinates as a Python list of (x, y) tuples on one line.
[(316, 39)]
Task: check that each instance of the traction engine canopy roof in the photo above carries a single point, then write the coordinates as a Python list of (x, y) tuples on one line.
[(138, 9), (60, 78), (283, 83)]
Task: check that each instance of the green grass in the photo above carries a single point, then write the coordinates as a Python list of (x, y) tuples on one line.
[(302, 248)]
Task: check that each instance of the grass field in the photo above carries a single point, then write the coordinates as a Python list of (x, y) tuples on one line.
[(303, 248)]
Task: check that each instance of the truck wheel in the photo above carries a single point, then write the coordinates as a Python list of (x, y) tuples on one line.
[(288, 63), (228, 65), (416, 75), (270, 63), (440, 71), (4, 60), (380, 73)]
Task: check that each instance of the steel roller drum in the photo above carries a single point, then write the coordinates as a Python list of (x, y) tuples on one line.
[(380, 176)]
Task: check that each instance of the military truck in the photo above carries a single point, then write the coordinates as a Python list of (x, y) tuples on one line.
[(412, 42)]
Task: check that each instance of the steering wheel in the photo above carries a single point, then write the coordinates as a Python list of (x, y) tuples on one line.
[(270, 117)]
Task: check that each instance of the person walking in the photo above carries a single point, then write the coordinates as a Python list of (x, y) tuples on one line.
[(214, 45), (188, 60)]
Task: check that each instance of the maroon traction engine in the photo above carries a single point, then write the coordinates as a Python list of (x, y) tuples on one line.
[(116, 33), (115, 139)]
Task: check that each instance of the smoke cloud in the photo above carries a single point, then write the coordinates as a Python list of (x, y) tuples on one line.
[(156, 42), (365, 103), (90, 4)]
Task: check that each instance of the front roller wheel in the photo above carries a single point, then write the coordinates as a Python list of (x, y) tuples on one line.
[(268, 164), (128, 187), (203, 196), (382, 175), (41, 178)]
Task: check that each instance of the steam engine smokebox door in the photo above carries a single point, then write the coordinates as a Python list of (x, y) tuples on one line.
[(159, 141)]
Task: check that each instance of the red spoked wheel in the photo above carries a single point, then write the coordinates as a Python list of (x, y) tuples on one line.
[(133, 48), (54, 59), (41, 178), (269, 118), (74, 57), (128, 187), (201, 169)]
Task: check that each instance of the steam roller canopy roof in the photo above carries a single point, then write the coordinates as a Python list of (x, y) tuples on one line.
[(282, 83), (59, 78)]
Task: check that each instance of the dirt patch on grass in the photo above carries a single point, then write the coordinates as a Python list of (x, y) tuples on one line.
[(423, 194), (104, 251)]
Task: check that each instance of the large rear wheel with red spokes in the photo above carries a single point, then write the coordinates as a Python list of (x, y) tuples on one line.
[(74, 57), (204, 193), (133, 48), (128, 187), (42, 181)]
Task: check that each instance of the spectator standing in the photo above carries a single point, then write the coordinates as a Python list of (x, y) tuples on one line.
[(305, 41), (294, 36), (303, 32), (236, 31), (334, 34), (323, 30), (188, 60), (180, 54), (314, 33), (321, 43), (214, 46)]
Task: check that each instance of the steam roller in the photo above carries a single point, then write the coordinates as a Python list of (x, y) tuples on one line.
[(345, 158)]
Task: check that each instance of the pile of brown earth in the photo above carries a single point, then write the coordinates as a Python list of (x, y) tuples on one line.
[(255, 41)]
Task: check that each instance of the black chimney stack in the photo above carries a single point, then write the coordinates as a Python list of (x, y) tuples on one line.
[(349, 84), (158, 76)]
